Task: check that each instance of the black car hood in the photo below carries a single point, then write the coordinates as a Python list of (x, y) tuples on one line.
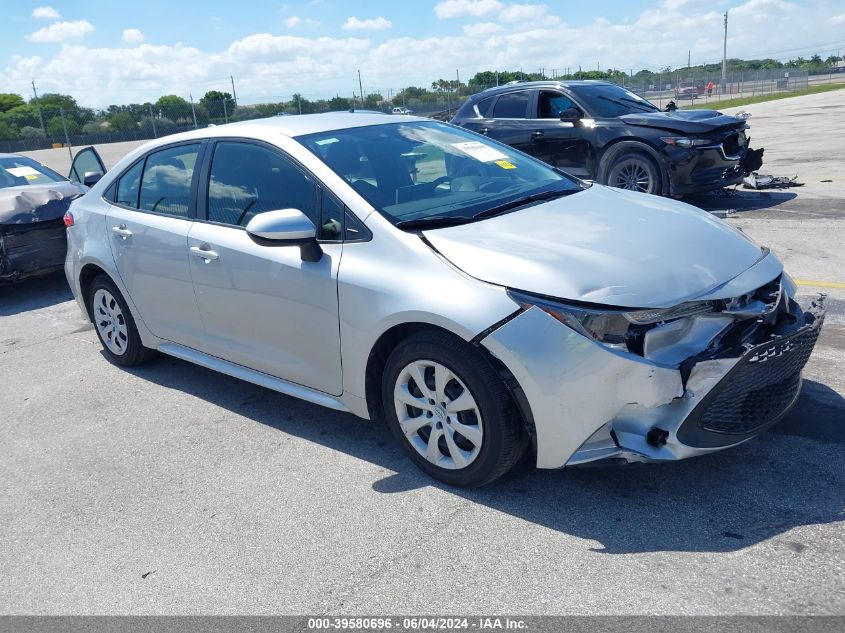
[(37, 203), (687, 121)]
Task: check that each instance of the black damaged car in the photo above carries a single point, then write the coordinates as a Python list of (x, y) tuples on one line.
[(33, 201), (603, 132)]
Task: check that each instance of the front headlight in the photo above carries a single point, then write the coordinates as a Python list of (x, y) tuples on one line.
[(610, 326), (683, 141)]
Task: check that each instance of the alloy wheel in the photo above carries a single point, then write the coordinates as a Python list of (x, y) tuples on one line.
[(438, 414), (110, 322), (633, 176)]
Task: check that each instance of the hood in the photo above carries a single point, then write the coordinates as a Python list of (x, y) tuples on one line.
[(37, 203), (687, 121), (602, 245)]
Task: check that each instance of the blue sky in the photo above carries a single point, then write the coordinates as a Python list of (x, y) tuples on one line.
[(104, 52)]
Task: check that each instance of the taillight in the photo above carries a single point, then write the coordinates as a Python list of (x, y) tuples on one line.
[(68, 219)]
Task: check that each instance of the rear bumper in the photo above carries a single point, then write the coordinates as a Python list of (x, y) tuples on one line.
[(29, 250), (591, 403)]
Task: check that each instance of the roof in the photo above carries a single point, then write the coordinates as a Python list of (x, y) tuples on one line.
[(295, 125), (547, 83)]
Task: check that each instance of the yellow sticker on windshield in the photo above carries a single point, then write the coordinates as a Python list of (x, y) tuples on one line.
[(31, 176), (505, 164)]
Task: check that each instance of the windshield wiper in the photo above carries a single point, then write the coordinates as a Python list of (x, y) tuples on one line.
[(521, 202), (434, 221)]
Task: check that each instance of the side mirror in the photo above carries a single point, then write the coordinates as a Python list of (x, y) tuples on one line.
[(91, 178), (571, 115), (286, 227)]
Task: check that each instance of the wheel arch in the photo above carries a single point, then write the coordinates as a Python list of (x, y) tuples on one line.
[(393, 336), (616, 148)]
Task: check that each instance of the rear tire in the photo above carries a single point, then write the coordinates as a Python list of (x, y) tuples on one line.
[(634, 171), (450, 410), (114, 324)]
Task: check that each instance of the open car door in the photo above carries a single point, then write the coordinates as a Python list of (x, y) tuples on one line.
[(87, 167)]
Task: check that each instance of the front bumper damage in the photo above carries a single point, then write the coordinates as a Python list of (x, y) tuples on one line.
[(590, 402)]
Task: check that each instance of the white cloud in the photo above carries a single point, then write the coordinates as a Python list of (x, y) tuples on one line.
[(61, 31), (461, 8), (838, 19), (523, 12), (132, 36), (482, 30), (45, 13), (375, 24), (294, 21)]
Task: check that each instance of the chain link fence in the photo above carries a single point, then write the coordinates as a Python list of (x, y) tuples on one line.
[(56, 121)]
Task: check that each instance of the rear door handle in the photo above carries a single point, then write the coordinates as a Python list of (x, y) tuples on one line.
[(484, 130), (204, 252), (122, 231), (537, 134)]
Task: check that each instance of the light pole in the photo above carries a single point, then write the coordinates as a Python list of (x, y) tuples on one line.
[(725, 55)]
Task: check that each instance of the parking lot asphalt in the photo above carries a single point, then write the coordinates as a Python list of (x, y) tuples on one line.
[(170, 489)]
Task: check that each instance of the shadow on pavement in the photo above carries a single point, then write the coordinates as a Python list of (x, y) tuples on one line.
[(717, 503), (33, 294)]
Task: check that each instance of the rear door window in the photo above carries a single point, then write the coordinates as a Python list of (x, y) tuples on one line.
[(166, 184), (512, 105)]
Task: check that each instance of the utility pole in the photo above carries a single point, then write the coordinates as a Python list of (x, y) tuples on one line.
[(725, 55), (38, 105), (689, 59), (360, 88), (458, 86), (234, 94)]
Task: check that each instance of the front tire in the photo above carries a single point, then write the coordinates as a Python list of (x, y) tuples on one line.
[(634, 171), (114, 324), (450, 410)]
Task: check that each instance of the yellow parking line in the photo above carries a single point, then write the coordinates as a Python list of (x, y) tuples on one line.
[(819, 284)]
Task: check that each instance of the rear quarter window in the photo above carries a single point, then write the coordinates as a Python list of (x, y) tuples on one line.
[(513, 105)]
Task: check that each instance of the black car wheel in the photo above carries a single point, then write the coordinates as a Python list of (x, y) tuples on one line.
[(635, 172)]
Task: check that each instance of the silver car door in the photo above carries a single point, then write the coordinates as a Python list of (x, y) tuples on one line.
[(148, 227), (263, 306)]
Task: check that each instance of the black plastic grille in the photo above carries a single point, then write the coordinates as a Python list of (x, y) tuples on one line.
[(757, 392), (760, 388)]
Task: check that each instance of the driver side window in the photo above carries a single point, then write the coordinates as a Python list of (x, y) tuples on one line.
[(550, 105), (248, 179)]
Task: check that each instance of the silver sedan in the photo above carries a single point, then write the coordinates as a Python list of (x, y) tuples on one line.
[(481, 302)]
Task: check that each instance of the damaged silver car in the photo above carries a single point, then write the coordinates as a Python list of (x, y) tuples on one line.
[(481, 302), (33, 201)]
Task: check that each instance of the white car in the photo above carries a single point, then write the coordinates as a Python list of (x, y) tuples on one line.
[(482, 302), (400, 110)]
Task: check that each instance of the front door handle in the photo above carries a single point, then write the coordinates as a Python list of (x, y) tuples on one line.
[(536, 135), (484, 130), (122, 231), (204, 252)]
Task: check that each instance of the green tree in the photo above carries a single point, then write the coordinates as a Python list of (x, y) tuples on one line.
[(8, 132), (173, 107), (219, 105), (28, 131), (10, 100), (56, 128), (337, 103), (121, 121), (23, 116)]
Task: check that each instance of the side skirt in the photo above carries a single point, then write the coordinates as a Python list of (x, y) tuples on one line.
[(250, 375)]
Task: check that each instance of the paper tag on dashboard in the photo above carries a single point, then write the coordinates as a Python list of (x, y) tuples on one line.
[(27, 172), (479, 151)]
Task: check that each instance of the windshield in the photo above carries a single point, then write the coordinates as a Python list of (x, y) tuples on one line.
[(604, 100), (19, 170), (418, 171)]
